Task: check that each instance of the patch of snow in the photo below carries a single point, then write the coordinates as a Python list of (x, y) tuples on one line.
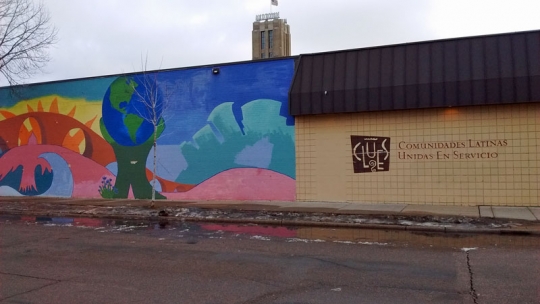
[(127, 228), (295, 240), (373, 243), (61, 225), (406, 223), (377, 221), (468, 249), (336, 289), (259, 237), (91, 211), (432, 224)]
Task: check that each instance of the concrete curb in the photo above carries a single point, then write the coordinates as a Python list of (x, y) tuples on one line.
[(425, 229)]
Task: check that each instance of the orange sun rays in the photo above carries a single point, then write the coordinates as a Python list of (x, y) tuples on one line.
[(31, 133)]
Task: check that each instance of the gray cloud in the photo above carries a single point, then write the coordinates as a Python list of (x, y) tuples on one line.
[(102, 37)]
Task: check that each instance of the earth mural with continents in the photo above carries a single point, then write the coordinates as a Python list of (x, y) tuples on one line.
[(126, 125), (125, 114)]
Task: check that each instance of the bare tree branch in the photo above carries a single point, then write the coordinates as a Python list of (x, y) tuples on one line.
[(25, 35), (155, 101)]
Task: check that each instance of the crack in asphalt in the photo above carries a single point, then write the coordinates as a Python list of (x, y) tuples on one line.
[(27, 276), (31, 290), (472, 291), (334, 263)]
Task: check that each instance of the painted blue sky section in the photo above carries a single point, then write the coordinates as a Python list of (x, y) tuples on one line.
[(91, 89), (194, 93)]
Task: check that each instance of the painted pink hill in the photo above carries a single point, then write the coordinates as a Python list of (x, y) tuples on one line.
[(242, 185), (86, 173)]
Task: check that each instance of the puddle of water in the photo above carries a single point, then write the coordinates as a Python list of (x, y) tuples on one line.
[(410, 238), (189, 230), (275, 231)]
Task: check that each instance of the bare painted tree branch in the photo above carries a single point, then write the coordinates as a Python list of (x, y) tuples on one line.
[(25, 35)]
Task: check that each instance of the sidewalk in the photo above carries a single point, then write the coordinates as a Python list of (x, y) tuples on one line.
[(479, 219), (518, 213)]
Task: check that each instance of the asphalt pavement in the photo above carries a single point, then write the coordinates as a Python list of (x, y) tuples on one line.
[(97, 260)]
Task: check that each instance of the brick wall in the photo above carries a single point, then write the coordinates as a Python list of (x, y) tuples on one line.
[(483, 155)]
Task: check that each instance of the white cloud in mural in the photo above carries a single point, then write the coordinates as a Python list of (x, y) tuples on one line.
[(258, 155)]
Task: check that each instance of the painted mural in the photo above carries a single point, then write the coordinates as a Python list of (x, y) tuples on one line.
[(224, 136)]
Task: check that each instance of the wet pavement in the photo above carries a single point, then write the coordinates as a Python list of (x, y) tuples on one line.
[(448, 219), (195, 231)]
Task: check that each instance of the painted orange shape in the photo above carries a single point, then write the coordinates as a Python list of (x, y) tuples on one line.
[(6, 114), (54, 106)]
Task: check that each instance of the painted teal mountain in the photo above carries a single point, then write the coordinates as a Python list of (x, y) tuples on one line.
[(266, 142)]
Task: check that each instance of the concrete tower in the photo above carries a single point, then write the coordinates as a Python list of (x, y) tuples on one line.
[(271, 37)]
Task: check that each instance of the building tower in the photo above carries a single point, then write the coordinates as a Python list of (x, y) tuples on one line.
[(271, 37)]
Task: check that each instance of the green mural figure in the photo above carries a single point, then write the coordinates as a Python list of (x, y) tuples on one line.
[(131, 122)]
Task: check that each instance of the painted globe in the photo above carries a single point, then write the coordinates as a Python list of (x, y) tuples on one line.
[(127, 109)]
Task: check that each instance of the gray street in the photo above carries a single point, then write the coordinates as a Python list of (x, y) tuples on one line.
[(63, 260)]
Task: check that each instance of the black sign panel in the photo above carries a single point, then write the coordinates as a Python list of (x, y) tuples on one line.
[(370, 153)]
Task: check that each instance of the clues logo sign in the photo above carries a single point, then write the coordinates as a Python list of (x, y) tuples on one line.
[(370, 154)]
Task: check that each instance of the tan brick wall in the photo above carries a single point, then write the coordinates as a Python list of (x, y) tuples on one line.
[(452, 175)]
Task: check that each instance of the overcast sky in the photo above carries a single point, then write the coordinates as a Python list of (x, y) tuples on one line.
[(102, 37)]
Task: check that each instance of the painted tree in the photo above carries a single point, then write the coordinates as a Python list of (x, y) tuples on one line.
[(25, 35), (132, 120)]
